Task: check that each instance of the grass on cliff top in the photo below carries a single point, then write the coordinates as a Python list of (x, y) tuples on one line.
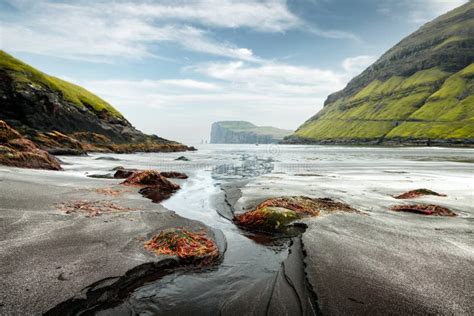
[(243, 126), (237, 125), (24, 74)]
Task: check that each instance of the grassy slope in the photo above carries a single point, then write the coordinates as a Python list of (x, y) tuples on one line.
[(429, 104), (23, 74), (434, 103)]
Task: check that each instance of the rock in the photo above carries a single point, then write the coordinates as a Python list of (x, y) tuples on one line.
[(107, 158), (157, 188), (417, 193), (150, 178), (101, 176), (182, 158), (425, 209), (17, 151), (276, 213), (124, 173), (156, 194), (174, 174)]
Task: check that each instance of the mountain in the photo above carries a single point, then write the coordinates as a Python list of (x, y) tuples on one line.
[(421, 91), (64, 118), (241, 132)]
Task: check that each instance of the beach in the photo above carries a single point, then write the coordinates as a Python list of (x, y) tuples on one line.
[(371, 261)]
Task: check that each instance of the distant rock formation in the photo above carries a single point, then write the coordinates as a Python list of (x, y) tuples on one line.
[(241, 132)]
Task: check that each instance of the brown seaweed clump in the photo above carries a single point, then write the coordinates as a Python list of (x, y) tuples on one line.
[(274, 214), (184, 244), (92, 208), (424, 209), (417, 193)]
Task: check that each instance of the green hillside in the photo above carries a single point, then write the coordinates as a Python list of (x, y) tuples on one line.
[(25, 75), (421, 90)]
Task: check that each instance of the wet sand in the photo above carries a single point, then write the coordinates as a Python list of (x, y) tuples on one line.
[(49, 256), (376, 262), (380, 261)]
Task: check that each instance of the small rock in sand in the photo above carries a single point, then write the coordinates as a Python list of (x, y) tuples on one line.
[(425, 209), (417, 193)]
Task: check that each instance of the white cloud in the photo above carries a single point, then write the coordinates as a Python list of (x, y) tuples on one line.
[(266, 15), (102, 30), (275, 78), (263, 93), (355, 65)]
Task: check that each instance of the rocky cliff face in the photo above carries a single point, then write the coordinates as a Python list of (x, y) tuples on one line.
[(421, 91), (241, 132), (64, 118)]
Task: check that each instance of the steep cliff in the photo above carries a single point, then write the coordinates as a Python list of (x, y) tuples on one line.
[(64, 118), (241, 132), (421, 91)]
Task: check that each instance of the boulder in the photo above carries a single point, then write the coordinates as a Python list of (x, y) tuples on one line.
[(157, 188), (276, 213)]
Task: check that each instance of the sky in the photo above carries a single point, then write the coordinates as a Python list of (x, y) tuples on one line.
[(175, 67)]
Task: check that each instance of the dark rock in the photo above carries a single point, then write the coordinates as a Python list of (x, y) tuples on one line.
[(182, 158), (174, 174), (123, 173), (158, 188), (107, 158), (101, 176)]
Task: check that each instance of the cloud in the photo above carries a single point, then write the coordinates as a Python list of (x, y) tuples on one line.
[(417, 11), (267, 15), (355, 65), (274, 78), (103, 30), (263, 93)]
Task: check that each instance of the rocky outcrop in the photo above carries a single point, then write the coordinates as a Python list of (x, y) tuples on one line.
[(419, 93), (17, 151), (241, 132), (61, 117)]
